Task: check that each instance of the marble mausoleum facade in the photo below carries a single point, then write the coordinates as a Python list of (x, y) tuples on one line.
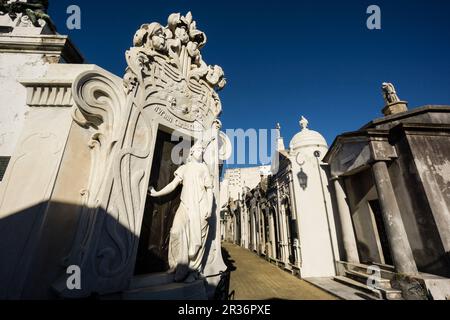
[(119, 177), (288, 217), (86, 150), (371, 212)]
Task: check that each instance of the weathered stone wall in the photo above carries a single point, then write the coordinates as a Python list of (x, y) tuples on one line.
[(415, 210), (431, 167), (13, 67)]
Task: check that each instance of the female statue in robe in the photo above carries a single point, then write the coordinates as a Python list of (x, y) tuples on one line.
[(190, 226)]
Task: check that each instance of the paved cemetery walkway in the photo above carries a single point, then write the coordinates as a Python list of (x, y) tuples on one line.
[(253, 278)]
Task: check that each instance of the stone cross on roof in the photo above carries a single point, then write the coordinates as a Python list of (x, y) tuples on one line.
[(304, 123)]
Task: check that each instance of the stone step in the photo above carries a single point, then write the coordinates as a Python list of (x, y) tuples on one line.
[(374, 293), (380, 293), (150, 280), (392, 294), (342, 291), (172, 291), (364, 279), (359, 267), (386, 267)]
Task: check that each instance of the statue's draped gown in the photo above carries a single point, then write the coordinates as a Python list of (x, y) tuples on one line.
[(190, 226)]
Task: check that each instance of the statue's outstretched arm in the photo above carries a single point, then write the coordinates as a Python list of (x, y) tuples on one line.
[(167, 189)]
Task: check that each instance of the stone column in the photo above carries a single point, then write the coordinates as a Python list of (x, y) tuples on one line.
[(260, 234), (348, 235), (263, 230), (272, 235), (284, 233), (293, 200), (297, 253), (235, 231), (243, 225), (253, 229), (280, 233), (289, 238), (281, 240), (247, 228), (395, 230)]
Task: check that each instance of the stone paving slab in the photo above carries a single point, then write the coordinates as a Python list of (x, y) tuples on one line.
[(253, 278)]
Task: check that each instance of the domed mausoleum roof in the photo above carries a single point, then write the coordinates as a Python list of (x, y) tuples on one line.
[(307, 137)]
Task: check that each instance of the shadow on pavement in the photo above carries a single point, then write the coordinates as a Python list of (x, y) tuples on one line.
[(228, 261)]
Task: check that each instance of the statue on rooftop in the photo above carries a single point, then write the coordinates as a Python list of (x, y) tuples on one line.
[(35, 10), (389, 94)]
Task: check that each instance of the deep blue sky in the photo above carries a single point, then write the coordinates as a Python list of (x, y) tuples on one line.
[(284, 59)]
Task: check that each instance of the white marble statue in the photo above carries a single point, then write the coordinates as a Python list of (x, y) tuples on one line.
[(389, 94), (190, 226)]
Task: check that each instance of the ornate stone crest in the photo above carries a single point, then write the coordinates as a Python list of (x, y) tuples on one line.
[(168, 62)]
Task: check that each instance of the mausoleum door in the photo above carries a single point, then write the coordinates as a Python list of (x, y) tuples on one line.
[(159, 212)]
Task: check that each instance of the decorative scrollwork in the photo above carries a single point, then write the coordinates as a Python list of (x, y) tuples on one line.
[(115, 188), (169, 63)]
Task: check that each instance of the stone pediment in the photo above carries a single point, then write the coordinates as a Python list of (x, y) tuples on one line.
[(353, 152)]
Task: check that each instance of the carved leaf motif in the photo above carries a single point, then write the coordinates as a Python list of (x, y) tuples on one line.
[(174, 69)]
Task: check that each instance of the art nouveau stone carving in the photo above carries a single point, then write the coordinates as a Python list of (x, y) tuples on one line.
[(171, 55), (168, 84)]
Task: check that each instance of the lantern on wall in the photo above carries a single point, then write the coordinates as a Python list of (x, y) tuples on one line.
[(302, 179)]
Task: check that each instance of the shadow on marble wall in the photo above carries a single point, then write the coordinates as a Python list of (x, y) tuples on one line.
[(39, 243)]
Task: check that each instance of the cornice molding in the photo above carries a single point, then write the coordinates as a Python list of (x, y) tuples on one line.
[(41, 44)]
